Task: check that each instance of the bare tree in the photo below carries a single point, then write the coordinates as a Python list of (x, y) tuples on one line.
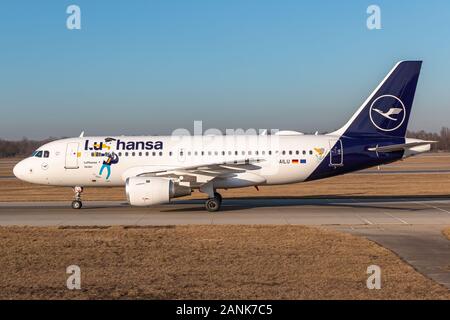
[(443, 138), (20, 148)]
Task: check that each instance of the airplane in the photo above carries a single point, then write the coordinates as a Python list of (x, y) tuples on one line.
[(156, 169)]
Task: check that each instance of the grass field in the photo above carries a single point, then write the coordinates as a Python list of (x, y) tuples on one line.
[(446, 233), (203, 262), (350, 185), (216, 262)]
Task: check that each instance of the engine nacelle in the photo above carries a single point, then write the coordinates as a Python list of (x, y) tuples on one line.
[(147, 191)]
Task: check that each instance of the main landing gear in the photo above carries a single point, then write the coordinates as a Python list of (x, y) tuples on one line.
[(215, 199), (77, 204), (213, 204)]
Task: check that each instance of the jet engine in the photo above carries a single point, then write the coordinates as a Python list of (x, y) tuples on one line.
[(147, 191)]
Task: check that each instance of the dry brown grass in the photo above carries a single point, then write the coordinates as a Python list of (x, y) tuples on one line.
[(202, 262), (7, 165), (351, 185), (446, 233)]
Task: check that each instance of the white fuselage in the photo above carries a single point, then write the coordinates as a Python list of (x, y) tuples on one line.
[(282, 159)]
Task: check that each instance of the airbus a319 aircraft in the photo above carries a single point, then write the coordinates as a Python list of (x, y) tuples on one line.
[(156, 169)]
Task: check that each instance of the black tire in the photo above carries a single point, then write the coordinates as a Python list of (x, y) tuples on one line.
[(212, 205), (76, 204), (218, 196)]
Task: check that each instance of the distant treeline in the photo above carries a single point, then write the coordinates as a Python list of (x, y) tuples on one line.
[(442, 138), (25, 147), (20, 148)]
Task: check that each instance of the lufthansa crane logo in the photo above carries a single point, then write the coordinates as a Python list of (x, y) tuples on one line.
[(387, 113)]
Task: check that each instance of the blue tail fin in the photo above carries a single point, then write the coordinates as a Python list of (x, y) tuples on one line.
[(386, 112)]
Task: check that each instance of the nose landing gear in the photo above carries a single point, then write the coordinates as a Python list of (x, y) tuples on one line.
[(77, 204)]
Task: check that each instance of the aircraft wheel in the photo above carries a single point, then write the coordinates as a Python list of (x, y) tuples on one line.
[(213, 204), (76, 204), (218, 196)]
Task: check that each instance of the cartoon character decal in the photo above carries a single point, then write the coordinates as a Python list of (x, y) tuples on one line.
[(111, 159)]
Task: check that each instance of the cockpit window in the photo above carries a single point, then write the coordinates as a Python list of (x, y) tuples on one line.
[(41, 154)]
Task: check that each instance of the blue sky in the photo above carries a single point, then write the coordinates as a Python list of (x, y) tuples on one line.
[(149, 67)]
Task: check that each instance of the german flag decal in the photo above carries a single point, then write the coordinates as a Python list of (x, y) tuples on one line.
[(294, 161)]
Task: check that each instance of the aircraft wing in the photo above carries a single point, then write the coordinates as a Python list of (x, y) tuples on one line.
[(400, 147), (201, 174)]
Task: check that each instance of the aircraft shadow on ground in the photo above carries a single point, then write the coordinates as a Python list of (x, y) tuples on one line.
[(332, 201)]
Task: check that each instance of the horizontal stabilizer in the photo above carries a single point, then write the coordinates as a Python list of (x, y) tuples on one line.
[(400, 147)]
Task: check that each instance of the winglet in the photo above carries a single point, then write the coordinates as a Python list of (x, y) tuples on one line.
[(82, 134)]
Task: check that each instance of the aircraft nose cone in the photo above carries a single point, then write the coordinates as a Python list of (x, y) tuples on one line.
[(19, 170)]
